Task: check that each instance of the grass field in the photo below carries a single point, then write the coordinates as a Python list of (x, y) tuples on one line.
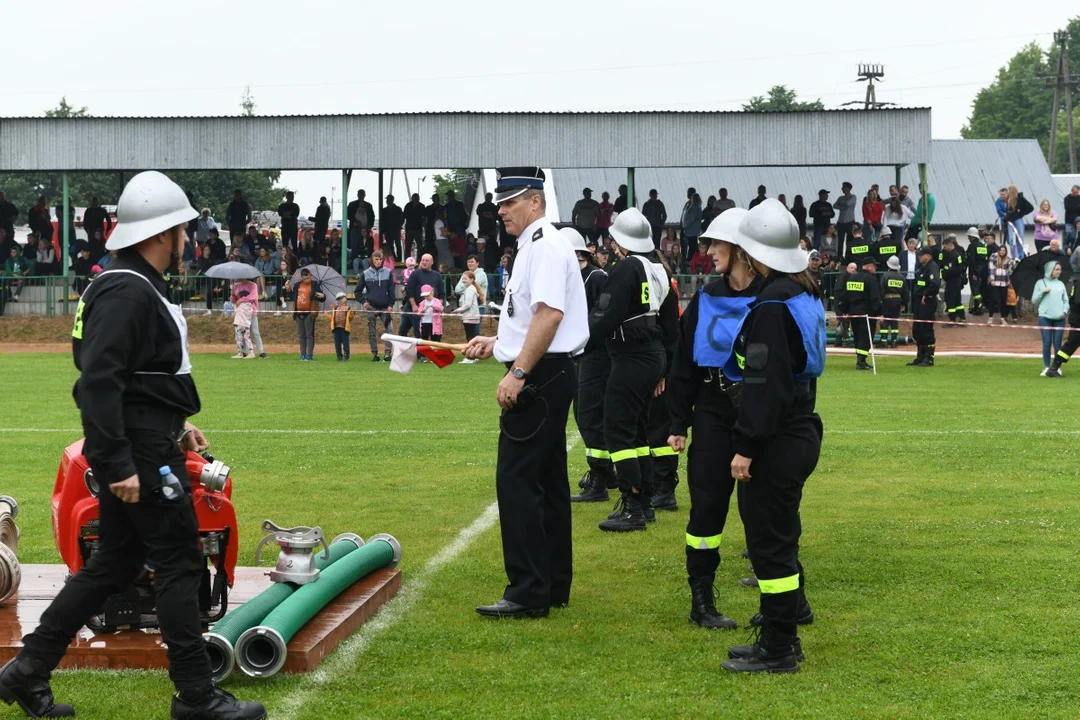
[(940, 536)]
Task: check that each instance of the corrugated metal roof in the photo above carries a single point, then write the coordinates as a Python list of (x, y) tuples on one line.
[(569, 140), (964, 176), (682, 111), (1065, 183)]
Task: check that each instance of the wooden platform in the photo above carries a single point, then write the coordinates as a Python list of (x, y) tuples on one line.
[(143, 649)]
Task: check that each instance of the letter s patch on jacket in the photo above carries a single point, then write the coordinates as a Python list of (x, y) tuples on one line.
[(757, 356)]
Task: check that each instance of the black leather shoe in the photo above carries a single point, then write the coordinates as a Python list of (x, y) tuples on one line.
[(745, 651), (595, 490), (215, 704), (506, 609), (21, 683), (773, 653), (749, 582), (703, 610), (627, 517), (664, 497)]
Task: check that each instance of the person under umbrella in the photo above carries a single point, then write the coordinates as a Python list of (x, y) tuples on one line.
[(329, 280), (307, 294)]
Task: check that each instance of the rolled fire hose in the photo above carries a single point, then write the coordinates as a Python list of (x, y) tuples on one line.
[(261, 650), (222, 638), (10, 573)]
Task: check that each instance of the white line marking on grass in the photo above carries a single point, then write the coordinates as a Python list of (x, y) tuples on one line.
[(343, 661), (952, 432)]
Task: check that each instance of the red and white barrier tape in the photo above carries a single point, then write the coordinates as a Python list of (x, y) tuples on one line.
[(959, 323)]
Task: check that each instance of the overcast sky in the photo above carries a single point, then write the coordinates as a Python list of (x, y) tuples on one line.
[(133, 57)]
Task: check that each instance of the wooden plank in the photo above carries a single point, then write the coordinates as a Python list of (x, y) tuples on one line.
[(143, 649)]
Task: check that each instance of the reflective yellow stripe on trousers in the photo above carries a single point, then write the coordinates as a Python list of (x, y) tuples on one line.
[(779, 585), (598, 454), (620, 455), (705, 543), (665, 451)]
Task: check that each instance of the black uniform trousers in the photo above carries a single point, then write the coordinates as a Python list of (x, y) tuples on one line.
[(769, 507), (163, 535), (1072, 343), (533, 494), (635, 373), (593, 369), (954, 304), (890, 327), (978, 279), (923, 332), (708, 475), (864, 334), (665, 461)]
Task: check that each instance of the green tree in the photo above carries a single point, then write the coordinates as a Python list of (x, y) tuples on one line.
[(64, 110), (455, 180), (209, 188), (780, 99), (1017, 104), (247, 103)]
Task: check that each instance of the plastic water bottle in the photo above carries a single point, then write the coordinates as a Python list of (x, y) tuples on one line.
[(171, 489)]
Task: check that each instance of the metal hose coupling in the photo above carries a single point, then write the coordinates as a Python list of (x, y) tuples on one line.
[(10, 572)]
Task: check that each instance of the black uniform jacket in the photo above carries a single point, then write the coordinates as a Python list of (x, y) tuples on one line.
[(623, 299), (861, 293), (772, 345), (127, 348), (686, 380), (927, 280)]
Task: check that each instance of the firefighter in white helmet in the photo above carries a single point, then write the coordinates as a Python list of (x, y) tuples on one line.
[(135, 394), (636, 318)]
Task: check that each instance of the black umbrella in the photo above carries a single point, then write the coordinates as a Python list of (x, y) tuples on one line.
[(328, 278), (1032, 269)]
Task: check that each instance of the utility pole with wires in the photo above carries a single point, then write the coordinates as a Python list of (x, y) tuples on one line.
[(1065, 82), (870, 74)]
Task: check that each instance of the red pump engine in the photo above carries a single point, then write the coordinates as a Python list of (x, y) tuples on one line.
[(75, 530)]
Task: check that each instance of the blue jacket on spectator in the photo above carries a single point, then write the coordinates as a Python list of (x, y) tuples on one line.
[(376, 287)]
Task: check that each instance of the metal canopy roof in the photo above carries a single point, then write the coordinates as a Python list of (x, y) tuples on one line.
[(425, 140), (964, 176)]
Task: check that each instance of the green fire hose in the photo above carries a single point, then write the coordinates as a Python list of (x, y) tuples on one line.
[(221, 640), (261, 650)]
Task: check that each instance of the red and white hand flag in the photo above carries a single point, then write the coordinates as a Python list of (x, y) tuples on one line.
[(406, 350)]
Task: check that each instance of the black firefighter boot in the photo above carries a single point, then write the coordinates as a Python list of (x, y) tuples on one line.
[(627, 517), (664, 496), (928, 358), (774, 652), (703, 610), (645, 496), (918, 357), (23, 683), (214, 704), (595, 489), (746, 651), (861, 363)]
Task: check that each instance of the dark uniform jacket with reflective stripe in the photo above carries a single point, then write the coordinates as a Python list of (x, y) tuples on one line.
[(952, 264), (927, 280), (626, 297), (862, 294), (894, 285), (128, 348)]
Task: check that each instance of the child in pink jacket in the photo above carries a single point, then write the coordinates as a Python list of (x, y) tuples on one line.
[(250, 297), (430, 310)]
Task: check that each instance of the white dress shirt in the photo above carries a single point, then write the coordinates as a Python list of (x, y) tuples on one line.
[(545, 271)]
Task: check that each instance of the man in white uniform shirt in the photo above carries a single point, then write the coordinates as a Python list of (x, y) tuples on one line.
[(544, 323)]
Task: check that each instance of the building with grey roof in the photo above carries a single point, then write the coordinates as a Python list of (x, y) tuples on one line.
[(964, 176)]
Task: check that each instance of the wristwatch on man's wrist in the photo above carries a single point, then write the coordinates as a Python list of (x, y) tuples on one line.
[(519, 374)]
